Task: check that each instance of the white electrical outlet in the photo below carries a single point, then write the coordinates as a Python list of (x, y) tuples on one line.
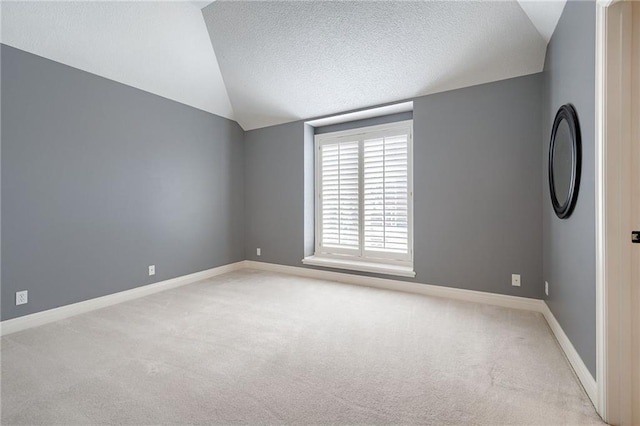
[(258, 251), (152, 270), (546, 288), (515, 280), (22, 297)]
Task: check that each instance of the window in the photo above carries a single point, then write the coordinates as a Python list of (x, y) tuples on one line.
[(364, 200)]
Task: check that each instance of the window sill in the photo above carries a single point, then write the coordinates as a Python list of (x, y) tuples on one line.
[(359, 265)]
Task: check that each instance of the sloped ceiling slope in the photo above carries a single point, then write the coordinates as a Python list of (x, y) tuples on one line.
[(284, 61), (544, 14), (160, 47)]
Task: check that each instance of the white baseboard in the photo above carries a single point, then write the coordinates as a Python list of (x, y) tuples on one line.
[(535, 305), (581, 370), (56, 314), (515, 302)]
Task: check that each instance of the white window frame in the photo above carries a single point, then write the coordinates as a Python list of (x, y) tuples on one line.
[(362, 259)]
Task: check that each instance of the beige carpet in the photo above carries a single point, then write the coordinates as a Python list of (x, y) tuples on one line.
[(262, 348)]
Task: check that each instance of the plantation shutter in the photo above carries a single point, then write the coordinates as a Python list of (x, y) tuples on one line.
[(339, 195), (386, 194), (364, 195)]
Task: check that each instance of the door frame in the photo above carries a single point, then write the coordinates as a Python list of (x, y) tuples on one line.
[(613, 211)]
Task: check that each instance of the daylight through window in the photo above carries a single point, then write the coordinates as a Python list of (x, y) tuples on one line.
[(364, 193)]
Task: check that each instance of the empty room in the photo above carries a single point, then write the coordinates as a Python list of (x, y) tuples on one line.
[(320, 212)]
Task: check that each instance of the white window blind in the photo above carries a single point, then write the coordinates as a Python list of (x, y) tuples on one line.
[(386, 197), (364, 193), (339, 197)]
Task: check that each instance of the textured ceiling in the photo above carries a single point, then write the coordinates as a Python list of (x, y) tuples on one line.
[(160, 47), (200, 4), (276, 62), (544, 14), (283, 61)]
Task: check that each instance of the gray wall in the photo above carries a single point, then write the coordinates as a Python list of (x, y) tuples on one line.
[(391, 118), (274, 193), (309, 191), (569, 245), (477, 202), (94, 192), (1, 298), (100, 180)]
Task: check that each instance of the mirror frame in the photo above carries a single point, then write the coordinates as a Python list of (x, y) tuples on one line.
[(565, 208)]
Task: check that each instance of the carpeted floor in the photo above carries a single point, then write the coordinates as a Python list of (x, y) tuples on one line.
[(262, 348)]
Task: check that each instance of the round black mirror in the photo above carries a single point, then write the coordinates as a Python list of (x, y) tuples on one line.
[(564, 161)]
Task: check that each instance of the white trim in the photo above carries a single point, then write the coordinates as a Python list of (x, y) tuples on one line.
[(503, 300), (360, 265), (600, 74), (513, 302), (613, 317), (607, 3), (634, 377), (359, 135), (579, 367), (44, 317), (361, 115), (377, 130)]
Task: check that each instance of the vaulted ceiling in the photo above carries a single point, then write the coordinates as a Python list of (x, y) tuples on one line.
[(160, 47), (264, 63)]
